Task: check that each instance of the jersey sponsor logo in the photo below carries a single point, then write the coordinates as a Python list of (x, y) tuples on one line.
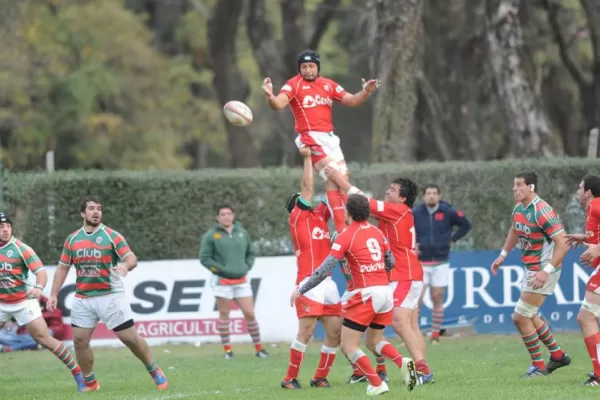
[(6, 267), (336, 246), (89, 271), (217, 236), (306, 87), (380, 206), (372, 267), (287, 88), (339, 89), (320, 234), (88, 253), (310, 102), (521, 227)]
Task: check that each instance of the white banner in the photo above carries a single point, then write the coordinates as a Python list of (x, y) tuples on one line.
[(173, 301)]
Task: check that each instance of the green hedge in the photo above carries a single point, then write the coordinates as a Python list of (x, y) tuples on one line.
[(163, 214)]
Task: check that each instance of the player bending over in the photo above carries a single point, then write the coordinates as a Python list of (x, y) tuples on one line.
[(368, 303), (589, 197), (310, 236), (311, 98), (542, 238), (396, 221), (16, 301), (102, 258)]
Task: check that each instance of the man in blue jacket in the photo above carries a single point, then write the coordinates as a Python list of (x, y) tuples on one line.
[(435, 221)]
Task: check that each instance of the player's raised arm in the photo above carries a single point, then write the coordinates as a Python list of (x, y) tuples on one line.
[(511, 241), (282, 99), (355, 100)]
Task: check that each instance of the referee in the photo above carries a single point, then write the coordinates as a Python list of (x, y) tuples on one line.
[(435, 223)]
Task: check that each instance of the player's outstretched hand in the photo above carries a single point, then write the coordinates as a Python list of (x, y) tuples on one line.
[(267, 86), (540, 279), (590, 254), (295, 296), (52, 303), (371, 85), (496, 265), (305, 152), (575, 239)]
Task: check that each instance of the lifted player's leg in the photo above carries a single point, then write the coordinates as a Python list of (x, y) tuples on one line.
[(588, 322), (39, 332)]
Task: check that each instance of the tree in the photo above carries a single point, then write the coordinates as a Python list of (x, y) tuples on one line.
[(396, 31), (229, 81), (527, 126), (277, 59)]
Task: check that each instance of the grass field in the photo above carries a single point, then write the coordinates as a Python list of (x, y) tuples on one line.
[(484, 367)]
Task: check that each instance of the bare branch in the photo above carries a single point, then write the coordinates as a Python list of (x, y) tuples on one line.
[(323, 16), (552, 10)]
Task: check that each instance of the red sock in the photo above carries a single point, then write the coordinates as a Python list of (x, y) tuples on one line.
[(296, 357), (593, 347), (355, 370), (422, 367), (76, 370), (335, 200), (363, 363), (325, 362), (389, 351)]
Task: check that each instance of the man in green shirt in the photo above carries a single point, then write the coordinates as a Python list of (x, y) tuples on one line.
[(226, 250)]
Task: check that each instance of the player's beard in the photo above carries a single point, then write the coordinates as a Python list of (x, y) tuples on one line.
[(90, 222)]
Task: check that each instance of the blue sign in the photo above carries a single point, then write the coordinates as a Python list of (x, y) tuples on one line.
[(474, 294)]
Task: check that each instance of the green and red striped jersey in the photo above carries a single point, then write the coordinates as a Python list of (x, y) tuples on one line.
[(535, 225), (94, 255), (16, 260)]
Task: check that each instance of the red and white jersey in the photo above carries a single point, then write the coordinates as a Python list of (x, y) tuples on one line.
[(311, 102), (364, 247), (311, 239), (397, 222), (592, 225)]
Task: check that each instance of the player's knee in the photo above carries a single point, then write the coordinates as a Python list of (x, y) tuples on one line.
[(588, 313), (81, 342), (524, 311)]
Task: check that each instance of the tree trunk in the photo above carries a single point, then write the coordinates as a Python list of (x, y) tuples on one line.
[(229, 82), (397, 29), (528, 129)]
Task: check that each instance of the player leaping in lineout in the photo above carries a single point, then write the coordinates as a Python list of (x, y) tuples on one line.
[(537, 227), (311, 98)]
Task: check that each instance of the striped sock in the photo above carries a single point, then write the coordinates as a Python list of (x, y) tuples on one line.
[(380, 359), (437, 319), (151, 367), (254, 332), (546, 337), (532, 342), (389, 351), (223, 328), (90, 380), (65, 356)]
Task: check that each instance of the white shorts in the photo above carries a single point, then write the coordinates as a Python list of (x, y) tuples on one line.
[(23, 312), (230, 292), (113, 309), (371, 305), (320, 301), (547, 289), (406, 293), (324, 144), (436, 276)]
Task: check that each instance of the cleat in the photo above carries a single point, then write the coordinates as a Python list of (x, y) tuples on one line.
[(320, 382), (592, 380), (160, 379), (262, 354), (556, 363), (534, 371), (92, 387), (292, 384), (424, 379), (377, 390), (81, 386), (357, 378), (409, 373), (435, 342), (228, 355), (383, 376)]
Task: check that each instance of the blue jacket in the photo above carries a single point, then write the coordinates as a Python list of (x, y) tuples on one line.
[(435, 231)]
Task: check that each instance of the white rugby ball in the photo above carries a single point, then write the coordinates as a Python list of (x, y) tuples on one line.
[(237, 113)]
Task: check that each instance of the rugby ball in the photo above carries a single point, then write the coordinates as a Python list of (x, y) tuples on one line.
[(237, 113)]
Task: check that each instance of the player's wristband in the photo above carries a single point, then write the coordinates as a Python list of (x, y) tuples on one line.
[(549, 268), (38, 287), (503, 253)]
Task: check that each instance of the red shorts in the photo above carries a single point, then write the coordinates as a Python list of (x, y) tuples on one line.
[(366, 306), (406, 293), (593, 284), (320, 301)]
